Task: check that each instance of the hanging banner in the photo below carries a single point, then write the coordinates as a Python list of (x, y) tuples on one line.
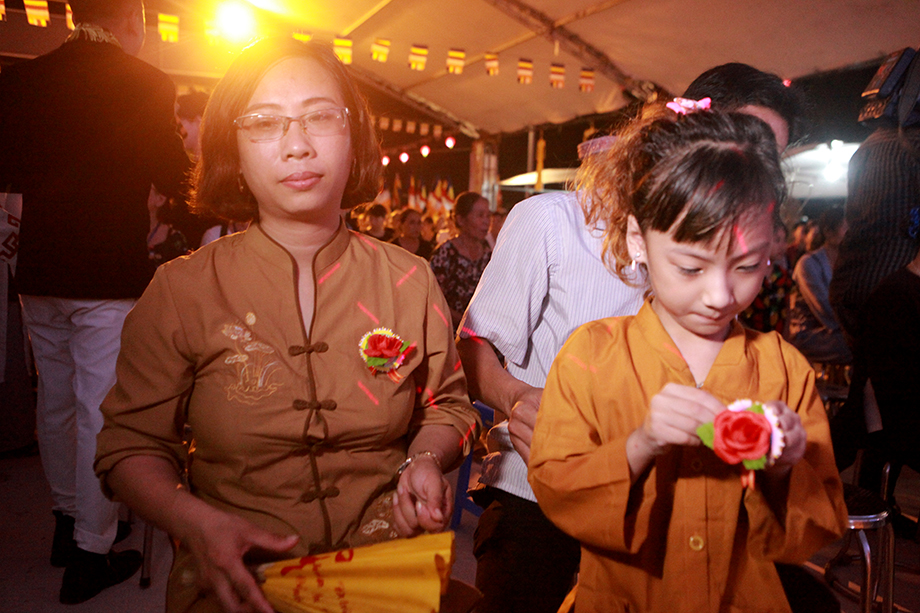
[(397, 125), (586, 80), (525, 72), (302, 35), (491, 64), (456, 58), (557, 76), (380, 50), (168, 27), (68, 16), (37, 13), (384, 123), (436, 131), (410, 127), (343, 49), (423, 129), (212, 32), (418, 55)]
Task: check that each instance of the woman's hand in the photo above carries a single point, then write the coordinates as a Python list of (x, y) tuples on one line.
[(218, 543), (673, 417), (423, 501), (794, 451), (523, 420)]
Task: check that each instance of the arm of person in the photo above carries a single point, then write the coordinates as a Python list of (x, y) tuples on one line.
[(217, 540), (503, 313), (580, 471), (814, 288), (513, 399), (797, 506), (140, 451), (441, 430), (166, 159), (423, 500)]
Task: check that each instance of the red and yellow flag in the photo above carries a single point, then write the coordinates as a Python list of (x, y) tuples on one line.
[(37, 13)]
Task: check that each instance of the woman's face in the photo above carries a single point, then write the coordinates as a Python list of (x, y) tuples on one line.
[(299, 177), (412, 226), (476, 223)]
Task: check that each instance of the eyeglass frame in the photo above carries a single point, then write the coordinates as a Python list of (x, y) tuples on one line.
[(287, 123)]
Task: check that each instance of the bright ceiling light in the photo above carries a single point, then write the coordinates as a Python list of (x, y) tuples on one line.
[(385, 160), (235, 21), (403, 157), (425, 150), (833, 172), (450, 141)]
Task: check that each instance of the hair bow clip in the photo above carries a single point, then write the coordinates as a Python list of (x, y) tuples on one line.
[(682, 106)]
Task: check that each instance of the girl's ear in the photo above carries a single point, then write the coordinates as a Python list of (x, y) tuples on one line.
[(635, 242)]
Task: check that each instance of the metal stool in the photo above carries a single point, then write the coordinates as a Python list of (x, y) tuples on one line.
[(148, 555), (462, 500), (867, 511)]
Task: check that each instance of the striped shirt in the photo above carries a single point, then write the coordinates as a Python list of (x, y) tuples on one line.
[(546, 278)]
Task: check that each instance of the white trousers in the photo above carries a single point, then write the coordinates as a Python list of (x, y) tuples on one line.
[(75, 343)]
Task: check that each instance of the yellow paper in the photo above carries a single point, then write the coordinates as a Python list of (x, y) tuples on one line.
[(400, 576)]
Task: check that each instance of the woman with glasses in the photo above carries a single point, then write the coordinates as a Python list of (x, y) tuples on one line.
[(314, 366)]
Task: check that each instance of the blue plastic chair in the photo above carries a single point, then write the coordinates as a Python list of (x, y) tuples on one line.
[(462, 500)]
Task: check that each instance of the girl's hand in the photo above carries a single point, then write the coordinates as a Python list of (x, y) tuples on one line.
[(673, 417), (218, 544), (423, 501), (792, 428)]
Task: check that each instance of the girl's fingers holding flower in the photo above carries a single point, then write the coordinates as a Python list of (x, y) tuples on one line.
[(677, 411), (794, 433)]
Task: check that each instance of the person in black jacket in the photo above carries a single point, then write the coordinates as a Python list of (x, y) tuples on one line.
[(86, 130)]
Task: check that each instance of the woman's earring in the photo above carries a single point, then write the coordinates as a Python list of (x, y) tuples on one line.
[(239, 183)]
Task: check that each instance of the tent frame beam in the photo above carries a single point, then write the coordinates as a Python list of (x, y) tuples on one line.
[(573, 44), (416, 102)]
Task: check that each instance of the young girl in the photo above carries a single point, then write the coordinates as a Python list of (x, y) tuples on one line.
[(616, 462)]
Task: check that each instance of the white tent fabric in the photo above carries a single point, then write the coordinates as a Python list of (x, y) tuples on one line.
[(667, 42)]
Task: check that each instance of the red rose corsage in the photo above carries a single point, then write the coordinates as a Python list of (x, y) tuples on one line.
[(747, 433), (383, 351)]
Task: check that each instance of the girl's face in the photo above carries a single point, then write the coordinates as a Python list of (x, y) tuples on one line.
[(300, 177), (476, 223), (699, 288)]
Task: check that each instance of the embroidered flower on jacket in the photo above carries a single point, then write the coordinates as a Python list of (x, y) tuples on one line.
[(255, 363)]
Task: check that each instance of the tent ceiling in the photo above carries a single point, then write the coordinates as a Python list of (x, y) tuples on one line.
[(626, 42), (667, 42)]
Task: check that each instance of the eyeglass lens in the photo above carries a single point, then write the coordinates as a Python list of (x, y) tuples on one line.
[(325, 122)]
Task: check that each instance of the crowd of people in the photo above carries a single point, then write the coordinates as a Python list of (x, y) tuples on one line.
[(284, 366)]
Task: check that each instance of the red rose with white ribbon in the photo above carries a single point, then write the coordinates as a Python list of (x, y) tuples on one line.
[(741, 435)]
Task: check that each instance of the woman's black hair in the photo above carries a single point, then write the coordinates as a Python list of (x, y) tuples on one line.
[(218, 186), (465, 203)]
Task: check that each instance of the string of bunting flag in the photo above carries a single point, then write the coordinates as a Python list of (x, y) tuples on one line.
[(38, 14)]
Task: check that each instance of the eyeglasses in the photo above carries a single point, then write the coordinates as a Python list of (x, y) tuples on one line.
[(265, 128)]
